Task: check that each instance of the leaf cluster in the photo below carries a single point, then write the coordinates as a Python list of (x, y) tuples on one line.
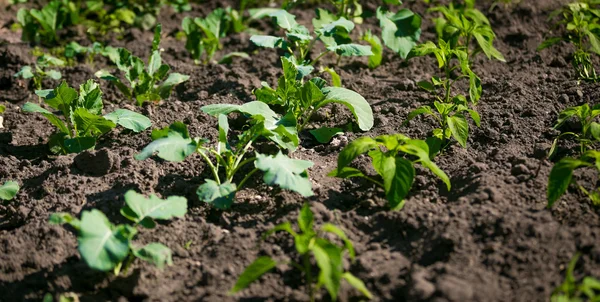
[(41, 26), (561, 176), (203, 34), (143, 80), (393, 157), (74, 49), (82, 122), (587, 117), (310, 244), (400, 31), (105, 246), (41, 70), (571, 290)]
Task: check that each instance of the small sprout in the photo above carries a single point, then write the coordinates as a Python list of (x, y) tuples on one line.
[(82, 122), (188, 245), (310, 243), (9, 190), (393, 158), (143, 80), (561, 176), (571, 290), (42, 70), (106, 247), (73, 49), (590, 130)]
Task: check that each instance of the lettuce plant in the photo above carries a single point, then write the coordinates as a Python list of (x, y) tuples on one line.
[(450, 109), (105, 246), (561, 176), (41, 70), (581, 21), (82, 122), (9, 190), (230, 156), (310, 243), (393, 158), (298, 41), (143, 80), (571, 290), (590, 130)]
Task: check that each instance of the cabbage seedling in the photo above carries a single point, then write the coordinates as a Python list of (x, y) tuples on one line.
[(400, 31), (561, 176), (9, 190), (105, 246), (203, 35), (143, 80), (42, 70), (590, 130), (82, 122), (310, 243), (175, 144), (40, 26), (393, 158)]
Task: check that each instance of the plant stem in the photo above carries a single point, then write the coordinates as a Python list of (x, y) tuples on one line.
[(313, 62), (212, 167), (246, 178), (308, 272), (240, 165)]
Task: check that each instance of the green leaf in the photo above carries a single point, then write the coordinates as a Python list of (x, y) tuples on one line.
[(421, 110), (355, 102), (62, 98), (155, 253), (306, 219), (101, 244), (329, 260), (26, 73), (325, 134), (357, 284), (560, 178), (255, 270), (549, 43), (89, 124), (129, 119), (460, 128), (142, 210), (62, 218), (354, 149), (335, 78), (219, 195), (90, 97), (348, 50), (9, 190), (398, 175), (266, 41), (330, 228), (400, 31), (79, 144), (595, 130), (284, 19), (54, 120), (288, 173), (228, 58), (420, 149), (173, 80), (376, 48), (176, 146)]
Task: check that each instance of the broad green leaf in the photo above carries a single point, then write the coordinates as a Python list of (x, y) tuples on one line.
[(560, 178), (101, 244), (420, 149), (26, 73), (155, 253), (421, 110), (53, 74), (54, 120), (398, 175), (62, 218), (595, 130), (331, 28), (284, 19), (306, 219), (376, 48), (90, 97), (255, 270), (329, 260), (91, 124), (62, 98), (154, 63), (325, 134), (549, 43), (354, 149), (459, 127), (176, 146), (486, 45), (142, 210), (221, 196), (357, 284), (348, 50), (400, 31), (266, 41), (173, 80), (346, 172), (79, 144), (9, 190), (288, 173), (259, 13), (335, 77), (129, 119), (355, 102)]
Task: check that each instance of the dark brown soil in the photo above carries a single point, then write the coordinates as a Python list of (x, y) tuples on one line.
[(489, 239)]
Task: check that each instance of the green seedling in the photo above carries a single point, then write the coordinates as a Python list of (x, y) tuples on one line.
[(203, 35), (310, 243), (298, 41), (571, 290), (175, 144), (240, 22), (466, 28), (561, 176), (581, 21), (590, 130), (42, 70), (9, 190), (82, 122), (450, 108), (300, 99), (74, 49), (107, 19), (400, 31), (349, 9), (105, 246), (41, 26), (393, 158), (143, 80), (376, 48)]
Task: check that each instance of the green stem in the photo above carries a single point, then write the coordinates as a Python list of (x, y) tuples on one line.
[(246, 178), (313, 62), (212, 167), (240, 165), (307, 119), (308, 272)]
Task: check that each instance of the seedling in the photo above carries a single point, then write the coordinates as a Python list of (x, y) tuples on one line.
[(82, 122), (240, 22), (590, 130), (74, 49), (310, 243), (580, 20), (40, 26), (41, 70), (175, 144), (301, 99), (143, 79), (105, 246), (393, 158), (400, 31), (9, 190), (298, 41), (464, 27), (450, 108), (107, 20), (349, 9), (561, 176), (203, 35), (571, 290)]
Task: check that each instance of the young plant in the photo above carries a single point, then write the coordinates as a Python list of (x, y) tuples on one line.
[(9, 190), (41, 70), (107, 20), (464, 26), (561, 176), (349, 9), (175, 144), (82, 122), (298, 41), (571, 290), (310, 243), (105, 246), (41, 26), (203, 35), (143, 79), (590, 130), (393, 158), (240, 22), (74, 49), (400, 31), (581, 21), (450, 108)]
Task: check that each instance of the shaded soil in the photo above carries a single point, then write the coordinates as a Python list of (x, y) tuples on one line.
[(489, 239)]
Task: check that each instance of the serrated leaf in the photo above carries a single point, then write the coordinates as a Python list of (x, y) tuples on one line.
[(129, 119), (255, 270), (221, 196), (9, 190), (142, 210), (288, 173)]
